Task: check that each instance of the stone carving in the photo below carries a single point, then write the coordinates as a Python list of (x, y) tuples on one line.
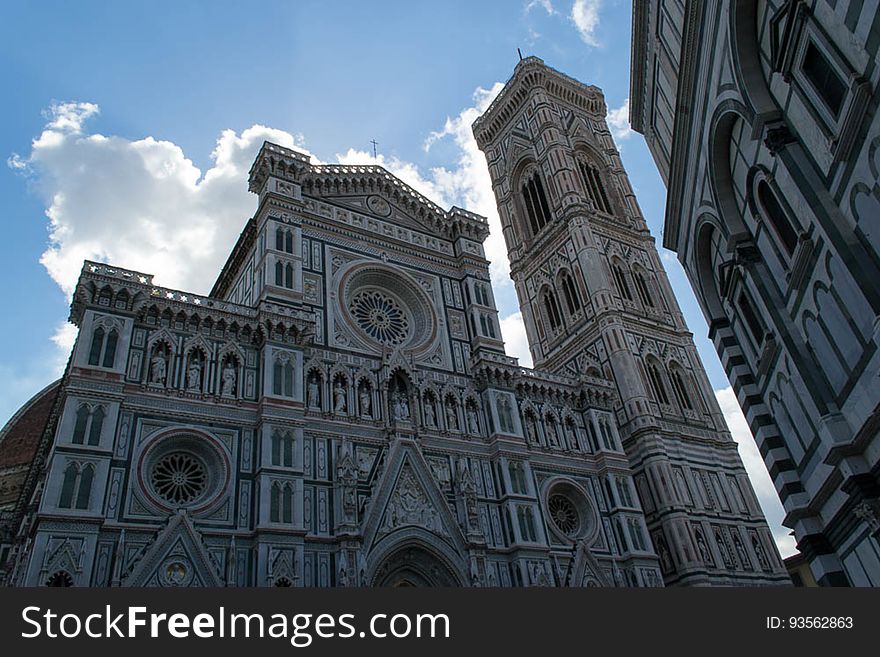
[(400, 406), (430, 416), (703, 548), (158, 368), (314, 393), (228, 379), (473, 422), (451, 416), (759, 552), (409, 505), (365, 401), (505, 416), (340, 398), (194, 374)]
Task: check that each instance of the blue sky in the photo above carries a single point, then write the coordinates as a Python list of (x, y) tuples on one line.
[(133, 124)]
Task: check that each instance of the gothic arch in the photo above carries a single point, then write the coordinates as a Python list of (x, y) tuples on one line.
[(720, 133), (708, 241), (415, 560), (745, 52)]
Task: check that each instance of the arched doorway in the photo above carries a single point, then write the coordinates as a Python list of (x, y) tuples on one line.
[(414, 565)]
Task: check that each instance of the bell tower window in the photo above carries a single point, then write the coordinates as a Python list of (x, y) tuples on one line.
[(535, 201)]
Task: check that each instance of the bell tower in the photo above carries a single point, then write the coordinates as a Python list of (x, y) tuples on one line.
[(596, 303)]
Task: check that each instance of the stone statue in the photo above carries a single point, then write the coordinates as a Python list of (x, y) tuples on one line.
[(451, 417), (759, 552), (340, 399), (158, 368), (665, 558), (473, 422), (430, 416), (741, 552), (505, 415), (314, 393), (194, 376), (531, 430), (401, 406), (228, 386), (365, 402), (703, 548)]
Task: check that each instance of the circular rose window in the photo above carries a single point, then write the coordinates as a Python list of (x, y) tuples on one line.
[(385, 307), (380, 316), (570, 512), (179, 477), (184, 470), (564, 514)]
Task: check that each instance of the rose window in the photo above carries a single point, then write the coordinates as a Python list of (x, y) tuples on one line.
[(564, 514), (179, 477), (380, 316)]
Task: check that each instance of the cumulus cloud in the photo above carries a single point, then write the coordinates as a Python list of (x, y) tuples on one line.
[(585, 16), (516, 344), (618, 122), (141, 204), (757, 470)]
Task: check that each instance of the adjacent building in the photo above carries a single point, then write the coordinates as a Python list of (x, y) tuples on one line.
[(762, 118)]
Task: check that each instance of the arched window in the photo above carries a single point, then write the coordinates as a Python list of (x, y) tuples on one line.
[(288, 242), (79, 429), (287, 504), (679, 387), (777, 217), (569, 290), (620, 279), (642, 288), (110, 348), (97, 426), (275, 502), (656, 380), (279, 273), (276, 449), (279, 239), (487, 325), (287, 452), (594, 186), (85, 487), (288, 276), (97, 345), (535, 202), (551, 307), (68, 484)]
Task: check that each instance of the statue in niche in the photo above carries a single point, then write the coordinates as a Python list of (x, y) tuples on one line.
[(194, 374), (158, 367), (722, 546), (340, 399), (365, 401), (741, 552), (401, 406), (759, 552), (703, 548), (473, 422), (505, 418), (227, 388), (451, 416), (430, 415), (665, 557), (531, 430), (314, 393)]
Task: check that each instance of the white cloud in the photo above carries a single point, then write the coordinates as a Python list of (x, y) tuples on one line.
[(754, 463), (140, 204), (618, 122), (546, 5), (515, 341), (585, 15), (468, 184)]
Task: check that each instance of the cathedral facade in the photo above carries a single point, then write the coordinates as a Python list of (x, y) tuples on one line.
[(762, 118), (340, 410)]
